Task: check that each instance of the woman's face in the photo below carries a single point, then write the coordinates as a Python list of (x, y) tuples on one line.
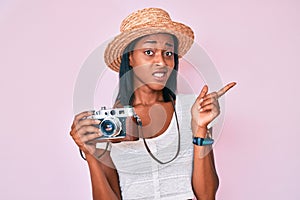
[(152, 61)]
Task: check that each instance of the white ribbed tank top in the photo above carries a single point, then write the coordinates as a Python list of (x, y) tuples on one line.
[(142, 178)]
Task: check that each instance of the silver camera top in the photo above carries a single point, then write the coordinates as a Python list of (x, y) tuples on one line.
[(113, 112)]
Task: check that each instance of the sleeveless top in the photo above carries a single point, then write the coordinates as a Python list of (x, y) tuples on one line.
[(141, 177)]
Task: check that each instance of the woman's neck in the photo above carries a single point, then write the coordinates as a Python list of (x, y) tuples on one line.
[(145, 96)]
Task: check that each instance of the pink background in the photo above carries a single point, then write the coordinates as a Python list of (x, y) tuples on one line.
[(43, 45)]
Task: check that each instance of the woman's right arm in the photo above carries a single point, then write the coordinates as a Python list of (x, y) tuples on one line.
[(104, 177)]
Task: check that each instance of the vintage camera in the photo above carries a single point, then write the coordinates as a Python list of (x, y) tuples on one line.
[(113, 121)]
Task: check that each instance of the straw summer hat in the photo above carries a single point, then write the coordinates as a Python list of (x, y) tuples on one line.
[(145, 22)]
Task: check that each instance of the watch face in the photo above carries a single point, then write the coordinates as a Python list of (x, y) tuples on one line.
[(198, 141)]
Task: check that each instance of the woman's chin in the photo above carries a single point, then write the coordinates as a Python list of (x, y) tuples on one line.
[(156, 86), (151, 86)]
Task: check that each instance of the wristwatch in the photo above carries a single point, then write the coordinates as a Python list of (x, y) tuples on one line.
[(202, 141)]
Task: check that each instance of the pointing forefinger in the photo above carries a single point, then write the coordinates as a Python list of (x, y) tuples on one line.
[(225, 89)]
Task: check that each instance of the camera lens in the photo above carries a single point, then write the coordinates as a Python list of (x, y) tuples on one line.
[(110, 126), (107, 127)]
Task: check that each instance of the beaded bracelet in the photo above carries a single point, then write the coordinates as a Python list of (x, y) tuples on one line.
[(202, 141)]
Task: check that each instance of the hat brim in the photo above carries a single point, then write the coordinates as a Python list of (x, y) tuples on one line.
[(115, 49)]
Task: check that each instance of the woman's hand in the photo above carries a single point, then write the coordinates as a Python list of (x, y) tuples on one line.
[(83, 132), (206, 108)]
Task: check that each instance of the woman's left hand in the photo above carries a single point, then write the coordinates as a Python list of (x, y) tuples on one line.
[(206, 108)]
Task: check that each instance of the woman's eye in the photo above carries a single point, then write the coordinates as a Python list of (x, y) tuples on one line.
[(169, 53), (149, 52)]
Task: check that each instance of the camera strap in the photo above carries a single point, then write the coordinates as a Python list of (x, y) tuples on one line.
[(139, 122), (99, 156)]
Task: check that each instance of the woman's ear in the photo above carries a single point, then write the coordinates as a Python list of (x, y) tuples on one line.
[(130, 58)]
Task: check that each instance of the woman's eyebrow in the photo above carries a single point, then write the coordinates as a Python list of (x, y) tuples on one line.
[(169, 44)]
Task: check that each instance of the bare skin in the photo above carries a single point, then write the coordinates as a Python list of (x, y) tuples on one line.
[(152, 61)]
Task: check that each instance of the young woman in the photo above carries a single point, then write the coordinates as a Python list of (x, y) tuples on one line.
[(167, 153)]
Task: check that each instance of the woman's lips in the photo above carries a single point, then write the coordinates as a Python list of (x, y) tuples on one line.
[(160, 76)]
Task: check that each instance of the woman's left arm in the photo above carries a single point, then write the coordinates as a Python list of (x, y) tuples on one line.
[(206, 108), (205, 180)]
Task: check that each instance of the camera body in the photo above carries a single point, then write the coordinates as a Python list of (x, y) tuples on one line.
[(113, 121)]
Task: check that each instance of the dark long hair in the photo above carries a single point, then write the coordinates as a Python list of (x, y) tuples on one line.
[(126, 89)]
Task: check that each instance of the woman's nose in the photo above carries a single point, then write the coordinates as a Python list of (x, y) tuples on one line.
[(159, 58)]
